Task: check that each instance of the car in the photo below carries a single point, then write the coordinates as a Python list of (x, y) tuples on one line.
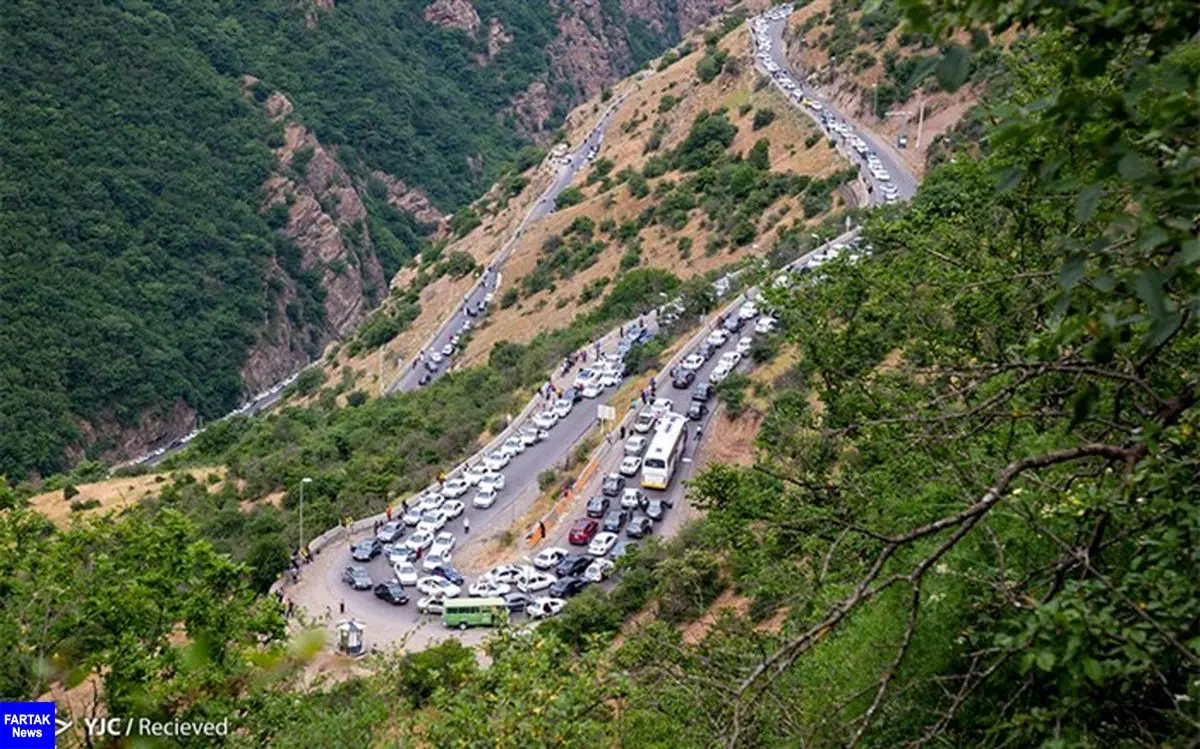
[(573, 394), (542, 608), (431, 605), (603, 542), (635, 444), (632, 498), (432, 521), (639, 527), (446, 572), (489, 589), (472, 474), (582, 531), (443, 543), (509, 574), (548, 557), (729, 360), (454, 341), (585, 377), (433, 585), (597, 506), (545, 419), (536, 581), (703, 392), (517, 602), (496, 460), (398, 553), (744, 344), (593, 389), (390, 531), (565, 587), (644, 422), (630, 465), (366, 549), (598, 570), (697, 410), (748, 310), (452, 508), (656, 508), (765, 324), (662, 406), (614, 520), (623, 547), (692, 362), (455, 487), (485, 497), (393, 593), (432, 365), (429, 501), (530, 435), (420, 540), (732, 324), (717, 338), (683, 379), (512, 447), (562, 407), (435, 358), (357, 578), (706, 350), (612, 485), (406, 573), (425, 378), (572, 564), (719, 374), (494, 480)]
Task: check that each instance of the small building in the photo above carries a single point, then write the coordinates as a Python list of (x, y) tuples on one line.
[(350, 636)]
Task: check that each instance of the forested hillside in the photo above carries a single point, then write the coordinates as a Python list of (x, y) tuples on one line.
[(137, 268)]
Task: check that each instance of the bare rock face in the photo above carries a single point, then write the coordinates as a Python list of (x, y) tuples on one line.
[(410, 200), (154, 427), (453, 14), (277, 106), (310, 10), (497, 38)]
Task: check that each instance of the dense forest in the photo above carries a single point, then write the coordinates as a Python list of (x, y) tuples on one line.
[(972, 516), (133, 249)]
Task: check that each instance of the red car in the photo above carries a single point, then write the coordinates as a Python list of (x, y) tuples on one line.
[(582, 531)]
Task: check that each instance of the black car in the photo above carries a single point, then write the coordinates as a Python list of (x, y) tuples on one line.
[(613, 485), (657, 508), (574, 393), (597, 506), (706, 350), (697, 410), (614, 520), (702, 392), (424, 379), (683, 379), (566, 587), (517, 602), (393, 593), (448, 573), (357, 578), (366, 550), (638, 527), (572, 564)]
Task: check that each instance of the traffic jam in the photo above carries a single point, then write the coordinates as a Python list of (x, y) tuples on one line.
[(418, 547), (836, 128)]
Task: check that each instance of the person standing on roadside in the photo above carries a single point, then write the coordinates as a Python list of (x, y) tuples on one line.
[(466, 526)]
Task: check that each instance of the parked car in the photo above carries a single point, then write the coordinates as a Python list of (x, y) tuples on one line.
[(493, 479), (630, 465), (635, 444), (366, 549), (602, 543), (639, 527), (455, 487), (435, 559), (612, 485), (536, 581), (697, 410), (683, 379), (572, 564), (542, 608), (393, 593), (598, 570), (390, 531), (632, 498), (489, 589), (597, 506), (693, 362), (703, 392), (357, 578), (565, 587), (485, 497), (472, 474), (452, 509), (431, 605), (562, 407), (496, 460), (447, 572), (433, 585), (547, 558), (644, 422), (656, 508), (582, 531), (517, 602), (614, 520), (406, 573)]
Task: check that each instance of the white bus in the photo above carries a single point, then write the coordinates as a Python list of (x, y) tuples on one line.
[(665, 451)]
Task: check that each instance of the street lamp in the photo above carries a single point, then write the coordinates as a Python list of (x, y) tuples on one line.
[(303, 481)]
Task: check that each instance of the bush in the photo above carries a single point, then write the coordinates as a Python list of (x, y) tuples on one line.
[(547, 478), (812, 140), (762, 118), (569, 197), (459, 264), (509, 298), (687, 585), (732, 392), (70, 491), (447, 665), (355, 399)]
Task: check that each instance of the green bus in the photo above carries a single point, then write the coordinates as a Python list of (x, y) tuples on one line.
[(474, 612)]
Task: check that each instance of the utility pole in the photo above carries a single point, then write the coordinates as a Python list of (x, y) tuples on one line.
[(382, 353), (303, 481), (875, 100), (920, 117)]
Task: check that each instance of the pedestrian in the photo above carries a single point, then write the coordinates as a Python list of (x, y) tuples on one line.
[(542, 527), (389, 513), (375, 526), (404, 504), (621, 331), (699, 434), (342, 606), (466, 526), (622, 432)]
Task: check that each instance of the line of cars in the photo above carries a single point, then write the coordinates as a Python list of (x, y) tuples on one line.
[(784, 79)]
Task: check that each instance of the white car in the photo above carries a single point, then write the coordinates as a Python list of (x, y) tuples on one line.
[(443, 543), (586, 377), (608, 379), (430, 501), (592, 389), (448, 350), (719, 374), (661, 407), (455, 487), (432, 521), (432, 585), (598, 570), (541, 608), (562, 407), (512, 447), (545, 420), (635, 444), (644, 422), (413, 516), (489, 589), (547, 558), (435, 358), (744, 344), (406, 573), (453, 508), (602, 543), (630, 465), (495, 460), (419, 540), (747, 311), (434, 559), (693, 362), (492, 479), (729, 360), (765, 325), (717, 338), (531, 435), (485, 497), (632, 498), (509, 574), (536, 581), (471, 474)]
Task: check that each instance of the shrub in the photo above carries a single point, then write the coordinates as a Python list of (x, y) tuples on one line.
[(509, 298), (547, 478), (762, 118), (569, 197)]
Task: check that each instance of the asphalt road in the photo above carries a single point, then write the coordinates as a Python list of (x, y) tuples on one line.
[(901, 177), (489, 283)]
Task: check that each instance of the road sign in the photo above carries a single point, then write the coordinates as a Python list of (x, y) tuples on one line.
[(606, 413)]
